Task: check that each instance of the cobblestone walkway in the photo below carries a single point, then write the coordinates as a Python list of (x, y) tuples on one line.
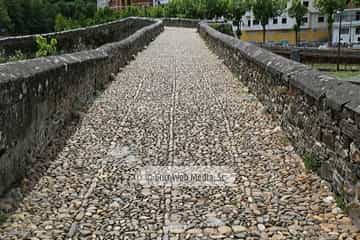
[(177, 105)]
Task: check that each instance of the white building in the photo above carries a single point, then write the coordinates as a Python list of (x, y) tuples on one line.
[(350, 27), (157, 2), (281, 28), (102, 3)]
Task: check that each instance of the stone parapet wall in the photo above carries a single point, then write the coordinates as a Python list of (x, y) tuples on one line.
[(319, 113), (181, 22), (77, 39), (37, 96)]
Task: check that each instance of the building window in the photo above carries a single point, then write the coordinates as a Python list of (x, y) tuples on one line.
[(249, 23), (321, 19), (306, 3), (284, 20), (358, 39), (357, 16), (255, 22), (357, 31), (345, 30), (275, 21), (305, 20)]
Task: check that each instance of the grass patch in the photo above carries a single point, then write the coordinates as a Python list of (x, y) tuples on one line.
[(345, 74), (284, 141), (3, 217), (340, 202), (225, 28), (346, 71), (311, 163), (333, 67)]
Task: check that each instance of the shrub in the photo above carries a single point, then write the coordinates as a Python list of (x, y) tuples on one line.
[(155, 12), (45, 48), (3, 217), (3, 58), (60, 23), (131, 12), (17, 57), (223, 28), (311, 163), (340, 202)]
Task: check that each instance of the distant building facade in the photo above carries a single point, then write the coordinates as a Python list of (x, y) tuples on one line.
[(120, 4), (161, 2), (350, 27), (102, 3), (281, 28)]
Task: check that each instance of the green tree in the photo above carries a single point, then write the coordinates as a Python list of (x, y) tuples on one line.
[(237, 9), (5, 21), (329, 8), (265, 9), (297, 11), (16, 14), (61, 23), (214, 8)]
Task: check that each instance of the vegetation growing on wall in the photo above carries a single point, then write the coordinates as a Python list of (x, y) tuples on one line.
[(16, 57), (44, 47)]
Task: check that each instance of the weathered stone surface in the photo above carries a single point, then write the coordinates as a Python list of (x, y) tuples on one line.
[(38, 95), (180, 22), (319, 114), (78, 39)]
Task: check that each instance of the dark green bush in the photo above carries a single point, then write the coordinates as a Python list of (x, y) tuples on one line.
[(225, 28), (310, 162)]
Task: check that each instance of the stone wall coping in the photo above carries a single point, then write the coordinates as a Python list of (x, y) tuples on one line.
[(318, 85), (311, 50), (181, 22), (13, 74), (109, 46)]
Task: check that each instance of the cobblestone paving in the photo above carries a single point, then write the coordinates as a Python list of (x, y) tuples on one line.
[(178, 105)]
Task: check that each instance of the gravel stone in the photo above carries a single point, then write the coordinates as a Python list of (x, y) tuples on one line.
[(176, 104)]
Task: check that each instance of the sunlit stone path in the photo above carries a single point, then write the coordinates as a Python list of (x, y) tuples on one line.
[(177, 104)]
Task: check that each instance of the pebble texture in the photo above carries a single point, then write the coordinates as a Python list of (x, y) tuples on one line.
[(176, 104), (319, 113)]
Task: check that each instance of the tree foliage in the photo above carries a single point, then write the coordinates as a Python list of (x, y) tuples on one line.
[(40, 16), (5, 21), (297, 11), (197, 8), (265, 9), (329, 8), (237, 9)]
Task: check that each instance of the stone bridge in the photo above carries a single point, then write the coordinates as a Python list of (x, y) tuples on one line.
[(177, 104)]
